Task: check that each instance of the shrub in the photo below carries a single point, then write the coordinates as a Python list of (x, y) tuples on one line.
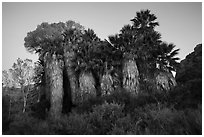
[(187, 95), (99, 121), (87, 106), (5, 112), (119, 96), (38, 110), (194, 119), (122, 126), (74, 124), (168, 121), (104, 117), (130, 102), (78, 124), (24, 124), (116, 114)]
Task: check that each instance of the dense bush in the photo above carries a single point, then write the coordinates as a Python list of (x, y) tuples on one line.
[(187, 95), (87, 105), (121, 97), (25, 124), (104, 117), (117, 114), (100, 121), (5, 112), (194, 120), (167, 121), (70, 125), (111, 118), (121, 126)]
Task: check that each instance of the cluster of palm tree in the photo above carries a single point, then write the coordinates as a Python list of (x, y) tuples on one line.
[(78, 64)]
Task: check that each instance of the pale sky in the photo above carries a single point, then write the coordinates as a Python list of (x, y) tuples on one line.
[(180, 23)]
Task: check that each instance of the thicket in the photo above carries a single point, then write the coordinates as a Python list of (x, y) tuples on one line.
[(115, 114)]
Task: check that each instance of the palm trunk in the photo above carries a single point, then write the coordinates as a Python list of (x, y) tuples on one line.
[(47, 81), (54, 80), (164, 81), (172, 80), (68, 56), (106, 84), (130, 76), (87, 86)]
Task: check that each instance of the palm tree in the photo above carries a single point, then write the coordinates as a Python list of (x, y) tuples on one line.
[(156, 59), (146, 39), (110, 66), (71, 39), (166, 59), (136, 42), (142, 50), (166, 62), (54, 79), (47, 40), (144, 22), (124, 42), (164, 81), (85, 64), (155, 56)]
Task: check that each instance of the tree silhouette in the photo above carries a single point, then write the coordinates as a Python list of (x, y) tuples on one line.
[(22, 74), (166, 59), (141, 43), (87, 62), (54, 51)]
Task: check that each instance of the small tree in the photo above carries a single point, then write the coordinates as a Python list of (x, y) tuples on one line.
[(6, 83), (22, 74), (5, 78), (39, 78)]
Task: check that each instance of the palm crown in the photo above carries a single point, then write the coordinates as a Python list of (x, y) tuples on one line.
[(143, 43)]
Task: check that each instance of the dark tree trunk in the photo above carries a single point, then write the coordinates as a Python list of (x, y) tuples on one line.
[(68, 56), (97, 77), (67, 98)]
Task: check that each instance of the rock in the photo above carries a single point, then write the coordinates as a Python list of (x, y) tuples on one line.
[(188, 93), (191, 67)]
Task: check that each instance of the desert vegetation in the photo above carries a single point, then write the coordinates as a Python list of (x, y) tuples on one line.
[(123, 85)]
